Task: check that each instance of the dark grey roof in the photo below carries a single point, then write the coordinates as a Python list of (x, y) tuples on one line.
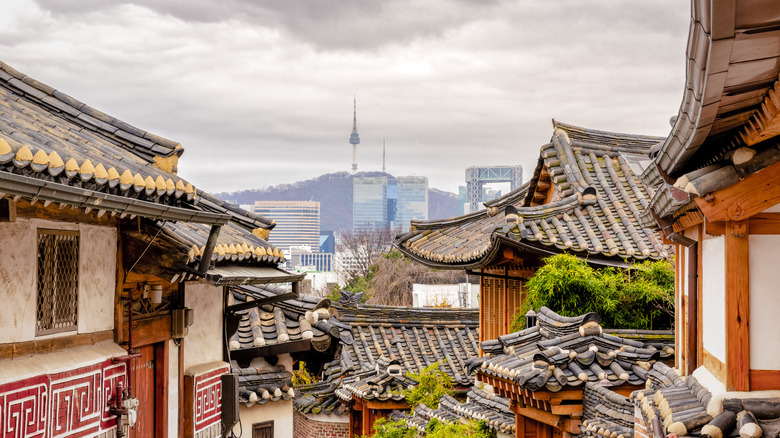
[(480, 405), (319, 398), (263, 385), (568, 352), (585, 198), (606, 412), (47, 135)]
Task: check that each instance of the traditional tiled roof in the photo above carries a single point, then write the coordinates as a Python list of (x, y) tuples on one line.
[(48, 136), (480, 405), (319, 398), (415, 337), (568, 352), (584, 198), (263, 385), (386, 381), (606, 412), (729, 108), (306, 317)]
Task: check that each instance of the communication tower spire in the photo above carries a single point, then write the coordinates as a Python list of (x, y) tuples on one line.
[(354, 138)]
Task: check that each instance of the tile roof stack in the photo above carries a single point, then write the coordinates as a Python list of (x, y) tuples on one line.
[(595, 198), (262, 385), (606, 414)]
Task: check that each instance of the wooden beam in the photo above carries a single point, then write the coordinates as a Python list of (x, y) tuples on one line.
[(764, 380), (387, 404), (714, 228), (754, 194), (47, 345), (570, 410), (737, 306), (151, 330), (539, 415), (765, 223), (519, 425), (714, 365)]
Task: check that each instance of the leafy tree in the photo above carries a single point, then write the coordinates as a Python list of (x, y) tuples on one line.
[(641, 297), (433, 384)]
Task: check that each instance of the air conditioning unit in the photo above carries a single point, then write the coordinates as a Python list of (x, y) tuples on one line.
[(229, 401), (181, 319)]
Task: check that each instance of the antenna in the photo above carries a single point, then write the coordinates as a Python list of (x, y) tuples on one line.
[(383, 155)]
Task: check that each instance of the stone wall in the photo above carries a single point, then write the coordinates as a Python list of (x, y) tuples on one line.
[(306, 426)]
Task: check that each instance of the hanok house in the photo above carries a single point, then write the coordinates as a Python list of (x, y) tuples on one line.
[(718, 187), (269, 331), (106, 253), (545, 369), (371, 369), (584, 199)]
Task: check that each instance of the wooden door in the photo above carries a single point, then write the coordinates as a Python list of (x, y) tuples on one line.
[(143, 389)]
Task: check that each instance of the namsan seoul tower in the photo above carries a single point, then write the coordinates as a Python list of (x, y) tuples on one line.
[(354, 138)]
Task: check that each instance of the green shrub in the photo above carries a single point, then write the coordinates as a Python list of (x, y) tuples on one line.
[(641, 297)]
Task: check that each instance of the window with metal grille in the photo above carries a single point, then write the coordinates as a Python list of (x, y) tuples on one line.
[(58, 279)]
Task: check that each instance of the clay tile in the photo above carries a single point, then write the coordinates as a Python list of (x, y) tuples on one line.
[(232, 249), (40, 161), (126, 179), (138, 182), (113, 177), (56, 165), (170, 187), (71, 168), (244, 247), (281, 253), (87, 170), (101, 174), (219, 250), (23, 156), (260, 251), (5, 148), (189, 188)]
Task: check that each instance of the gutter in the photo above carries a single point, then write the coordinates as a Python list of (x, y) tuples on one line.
[(21, 185)]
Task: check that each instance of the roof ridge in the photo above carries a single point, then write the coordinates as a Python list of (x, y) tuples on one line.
[(597, 132)]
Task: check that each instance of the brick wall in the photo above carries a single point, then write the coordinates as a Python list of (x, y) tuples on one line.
[(306, 427), (640, 428)]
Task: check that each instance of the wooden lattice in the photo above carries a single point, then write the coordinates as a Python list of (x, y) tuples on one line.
[(58, 279)]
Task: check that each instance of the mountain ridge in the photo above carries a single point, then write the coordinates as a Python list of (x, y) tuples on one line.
[(334, 192)]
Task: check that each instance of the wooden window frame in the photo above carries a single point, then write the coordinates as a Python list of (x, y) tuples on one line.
[(264, 424), (75, 315)]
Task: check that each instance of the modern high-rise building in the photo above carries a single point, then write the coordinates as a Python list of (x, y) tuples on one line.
[(385, 201), (369, 203), (477, 177), (412, 201), (297, 223)]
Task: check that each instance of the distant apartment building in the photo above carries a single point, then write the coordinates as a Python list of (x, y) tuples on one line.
[(412, 202), (383, 201), (297, 223), (474, 193), (369, 203)]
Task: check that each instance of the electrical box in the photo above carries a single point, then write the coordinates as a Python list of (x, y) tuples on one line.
[(229, 401), (181, 319)]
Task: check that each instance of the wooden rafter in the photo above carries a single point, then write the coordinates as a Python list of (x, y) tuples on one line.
[(765, 122)]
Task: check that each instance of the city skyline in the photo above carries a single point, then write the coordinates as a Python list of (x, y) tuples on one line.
[(476, 85)]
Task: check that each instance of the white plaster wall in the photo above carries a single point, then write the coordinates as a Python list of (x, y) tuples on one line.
[(18, 276), (17, 280), (203, 343), (97, 278), (714, 297), (280, 412), (764, 302)]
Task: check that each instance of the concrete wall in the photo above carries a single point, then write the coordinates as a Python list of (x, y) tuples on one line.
[(280, 412), (18, 277), (764, 302), (714, 297), (203, 343)]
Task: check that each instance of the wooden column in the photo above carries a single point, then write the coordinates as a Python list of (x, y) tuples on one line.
[(506, 302), (366, 421), (737, 306), (519, 426), (482, 308)]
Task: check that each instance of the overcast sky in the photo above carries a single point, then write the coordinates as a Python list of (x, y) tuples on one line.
[(260, 92)]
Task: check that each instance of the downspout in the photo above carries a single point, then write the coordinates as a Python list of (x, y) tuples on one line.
[(693, 298)]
